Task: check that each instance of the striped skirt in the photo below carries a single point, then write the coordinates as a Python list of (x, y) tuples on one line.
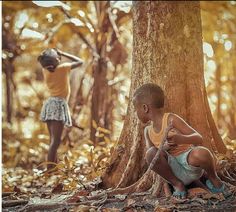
[(56, 108)]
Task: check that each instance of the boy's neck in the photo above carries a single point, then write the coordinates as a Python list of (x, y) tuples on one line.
[(157, 115)]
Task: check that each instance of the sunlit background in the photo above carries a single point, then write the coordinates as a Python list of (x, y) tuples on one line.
[(86, 30)]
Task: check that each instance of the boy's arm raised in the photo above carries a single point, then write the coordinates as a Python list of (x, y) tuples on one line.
[(76, 60)]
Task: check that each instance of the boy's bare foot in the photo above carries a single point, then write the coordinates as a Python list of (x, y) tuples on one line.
[(224, 189), (216, 182), (180, 191), (179, 186)]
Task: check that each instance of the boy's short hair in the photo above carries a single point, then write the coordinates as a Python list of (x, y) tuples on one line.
[(49, 57), (150, 93)]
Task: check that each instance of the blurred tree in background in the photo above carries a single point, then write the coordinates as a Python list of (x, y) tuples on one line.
[(219, 30), (101, 34)]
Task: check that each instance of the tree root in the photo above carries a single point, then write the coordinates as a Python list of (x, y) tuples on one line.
[(50, 206), (149, 184), (131, 162), (11, 203), (141, 185), (5, 194)]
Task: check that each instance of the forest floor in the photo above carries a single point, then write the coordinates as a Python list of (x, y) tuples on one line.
[(57, 200), (75, 187)]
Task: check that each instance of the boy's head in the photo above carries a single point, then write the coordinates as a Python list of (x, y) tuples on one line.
[(147, 98), (49, 59)]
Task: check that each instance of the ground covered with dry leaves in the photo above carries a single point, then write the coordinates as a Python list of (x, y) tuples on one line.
[(74, 186), (64, 191), (48, 200)]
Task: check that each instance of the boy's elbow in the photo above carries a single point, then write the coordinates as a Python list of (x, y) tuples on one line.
[(200, 140), (76, 64), (79, 63), (80, 60)]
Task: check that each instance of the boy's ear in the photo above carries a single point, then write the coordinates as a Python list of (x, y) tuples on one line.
[(145, 108), (39, 58)]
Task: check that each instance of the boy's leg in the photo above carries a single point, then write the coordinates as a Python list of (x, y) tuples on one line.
[(163, 168), (55, 130), (202, 157)]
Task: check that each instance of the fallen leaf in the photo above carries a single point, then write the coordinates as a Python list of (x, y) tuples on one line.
[(58, 188), (162, 209), (193, 192), (16, 189), (130, 202), (77, 197)]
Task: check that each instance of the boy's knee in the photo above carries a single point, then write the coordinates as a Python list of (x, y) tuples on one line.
[(201, 153), (151, 152)]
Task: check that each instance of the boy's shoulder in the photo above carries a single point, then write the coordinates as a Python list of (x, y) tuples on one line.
[(173, 115), (147, 129), (65, 66), (173, 118)]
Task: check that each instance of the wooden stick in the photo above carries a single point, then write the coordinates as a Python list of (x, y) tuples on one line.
[(5, 194), (11, 203)]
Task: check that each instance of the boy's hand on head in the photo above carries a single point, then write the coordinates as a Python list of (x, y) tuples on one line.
[(59, 52)]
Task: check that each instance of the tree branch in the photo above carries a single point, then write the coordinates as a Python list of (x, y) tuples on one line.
[(81, 35), (11, 203)]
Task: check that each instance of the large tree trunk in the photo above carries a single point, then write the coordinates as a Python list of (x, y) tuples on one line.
[(167, 50)]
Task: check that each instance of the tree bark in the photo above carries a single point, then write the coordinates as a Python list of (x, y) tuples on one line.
[(9, 100), (167, 50), (100, 95), (218, 92), (99, 98)]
